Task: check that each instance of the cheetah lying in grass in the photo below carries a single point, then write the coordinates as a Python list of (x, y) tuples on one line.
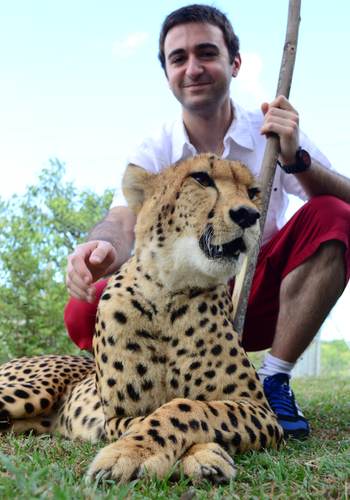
[(170, 384)]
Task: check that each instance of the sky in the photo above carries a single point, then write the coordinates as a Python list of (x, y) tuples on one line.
[(80, 81)]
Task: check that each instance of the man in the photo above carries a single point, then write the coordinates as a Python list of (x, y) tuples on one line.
[(303, 267)]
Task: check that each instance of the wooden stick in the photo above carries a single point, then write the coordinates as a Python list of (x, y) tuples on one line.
[(272, 150)]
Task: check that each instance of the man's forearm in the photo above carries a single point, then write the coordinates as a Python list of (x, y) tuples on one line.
[(318, 180), (118, 229), (106, 231)]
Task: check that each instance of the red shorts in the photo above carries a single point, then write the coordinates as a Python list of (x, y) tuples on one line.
[(322, 219)]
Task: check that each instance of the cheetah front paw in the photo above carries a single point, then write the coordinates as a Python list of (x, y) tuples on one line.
[(208, 461), (123, 462)]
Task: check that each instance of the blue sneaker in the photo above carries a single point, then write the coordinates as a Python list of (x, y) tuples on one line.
[(281, 399)]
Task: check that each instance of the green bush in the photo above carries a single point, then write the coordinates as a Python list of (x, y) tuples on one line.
[(335, 358), (37, 231)]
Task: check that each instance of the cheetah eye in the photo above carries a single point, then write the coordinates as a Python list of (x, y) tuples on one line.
[(253, 192), (203, 178)]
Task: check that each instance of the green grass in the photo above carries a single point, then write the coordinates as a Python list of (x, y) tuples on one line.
[(319, 467)]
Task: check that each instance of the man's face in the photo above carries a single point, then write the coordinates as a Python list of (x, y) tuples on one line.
[(198, 65)]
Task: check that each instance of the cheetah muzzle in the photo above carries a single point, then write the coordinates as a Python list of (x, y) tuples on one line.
[(170, 386), (230, 250)]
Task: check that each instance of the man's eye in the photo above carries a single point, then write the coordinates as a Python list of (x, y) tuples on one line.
[(253, 192), (207, 55), (177, 60), (203, 178)]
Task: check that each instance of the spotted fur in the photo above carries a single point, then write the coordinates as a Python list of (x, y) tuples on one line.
[(170, 383)]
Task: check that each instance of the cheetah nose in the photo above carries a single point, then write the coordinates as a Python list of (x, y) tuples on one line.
[(244, 216)]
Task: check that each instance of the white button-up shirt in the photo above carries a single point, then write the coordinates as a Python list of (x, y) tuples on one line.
[(243, 141)]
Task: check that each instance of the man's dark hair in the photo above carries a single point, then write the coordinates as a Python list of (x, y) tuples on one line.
[(197, 13)]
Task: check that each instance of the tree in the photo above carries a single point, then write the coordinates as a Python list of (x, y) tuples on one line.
[(37, 232), (335, 358)]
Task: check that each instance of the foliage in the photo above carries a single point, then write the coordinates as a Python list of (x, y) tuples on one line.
[(37, 231), (52, 467), (335, 358)]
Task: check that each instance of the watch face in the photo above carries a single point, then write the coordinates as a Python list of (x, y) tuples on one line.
[(304, 157), (302, 163)]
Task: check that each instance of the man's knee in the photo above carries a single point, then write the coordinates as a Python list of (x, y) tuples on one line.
[(331, 255), (332, 249), (79, 319)]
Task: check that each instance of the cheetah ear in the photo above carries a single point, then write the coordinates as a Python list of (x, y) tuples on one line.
[(136, 186)]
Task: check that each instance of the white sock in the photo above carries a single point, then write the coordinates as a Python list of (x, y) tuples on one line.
[(272, 365)]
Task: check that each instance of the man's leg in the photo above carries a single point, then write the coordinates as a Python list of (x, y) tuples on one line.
[(300, 275), (80, 318), (307, 295)]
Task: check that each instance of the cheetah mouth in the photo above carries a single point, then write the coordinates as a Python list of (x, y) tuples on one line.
[(230, 250)]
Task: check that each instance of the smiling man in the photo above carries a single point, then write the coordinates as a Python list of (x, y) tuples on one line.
[(304, 264), (199, 71)]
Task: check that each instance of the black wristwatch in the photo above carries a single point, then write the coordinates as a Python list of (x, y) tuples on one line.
[(302, 163)]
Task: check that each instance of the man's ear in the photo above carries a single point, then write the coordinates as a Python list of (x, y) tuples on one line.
[(236, 65), (136, 186)]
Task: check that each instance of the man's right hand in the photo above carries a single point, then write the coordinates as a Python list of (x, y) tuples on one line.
[(89, 262)]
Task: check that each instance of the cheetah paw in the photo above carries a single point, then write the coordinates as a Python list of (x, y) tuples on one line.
[(123, 462), (208, 461)]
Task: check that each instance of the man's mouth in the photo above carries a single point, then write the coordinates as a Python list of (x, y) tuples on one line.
[(197, 84), (230, 250)]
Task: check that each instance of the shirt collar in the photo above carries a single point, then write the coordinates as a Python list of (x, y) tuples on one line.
[(181, 145), (239, 132)]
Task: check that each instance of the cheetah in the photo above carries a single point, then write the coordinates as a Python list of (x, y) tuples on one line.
[(170, 386)]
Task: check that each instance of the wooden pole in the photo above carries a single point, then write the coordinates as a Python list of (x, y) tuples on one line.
[(272, 150)]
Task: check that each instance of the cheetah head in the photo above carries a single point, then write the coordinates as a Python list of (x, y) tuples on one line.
[(195, 220)]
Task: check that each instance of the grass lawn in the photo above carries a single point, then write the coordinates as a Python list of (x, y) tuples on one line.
[(319, 467)]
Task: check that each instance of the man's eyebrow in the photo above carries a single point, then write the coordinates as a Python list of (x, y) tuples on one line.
[(207, 45)]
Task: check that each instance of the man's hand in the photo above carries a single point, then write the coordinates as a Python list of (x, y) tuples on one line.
[(282, 119), (89, 262)]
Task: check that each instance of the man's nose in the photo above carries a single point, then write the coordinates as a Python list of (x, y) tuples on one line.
[(194, 67)]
